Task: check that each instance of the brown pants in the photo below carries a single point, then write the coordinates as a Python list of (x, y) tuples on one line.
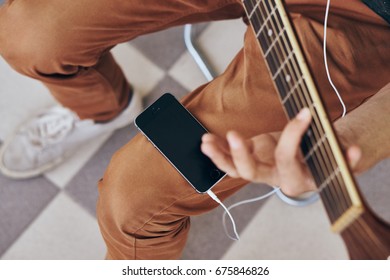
[(144, 204)]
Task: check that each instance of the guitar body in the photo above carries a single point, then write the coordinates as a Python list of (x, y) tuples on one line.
[(366, 236)]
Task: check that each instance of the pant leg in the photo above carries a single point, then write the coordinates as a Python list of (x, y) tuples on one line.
[(65, 44), (144, 204)]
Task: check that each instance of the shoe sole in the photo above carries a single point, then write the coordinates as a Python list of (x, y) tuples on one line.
[(135, 106)]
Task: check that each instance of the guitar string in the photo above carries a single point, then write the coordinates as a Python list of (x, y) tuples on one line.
[(329, 170), (271, 57), (370, 234), (359, 222), (266, 41), (365, 230), (283, 37), (300, 87), (358, 235), (341, 198)]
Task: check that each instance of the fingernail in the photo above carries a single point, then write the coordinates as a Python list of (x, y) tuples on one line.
[(304, 114)]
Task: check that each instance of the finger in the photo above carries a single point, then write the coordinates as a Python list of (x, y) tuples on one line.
[(287, 148), (219, 141), (244, 160), (354, 155), (220, 158), (291, 171)]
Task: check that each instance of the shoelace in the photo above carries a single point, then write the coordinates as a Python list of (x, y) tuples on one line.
[(51, 126)]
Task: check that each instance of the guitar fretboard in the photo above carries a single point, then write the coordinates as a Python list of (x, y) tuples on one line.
[(296, 90)]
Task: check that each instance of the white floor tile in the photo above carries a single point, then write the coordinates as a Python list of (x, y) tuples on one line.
[(218, 47), (142, 73), (280, 231), (221, 41), (187, 73), (20, 97), (63, 231)]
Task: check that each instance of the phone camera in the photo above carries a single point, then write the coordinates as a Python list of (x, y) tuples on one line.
[(155, 110), (215, 174)]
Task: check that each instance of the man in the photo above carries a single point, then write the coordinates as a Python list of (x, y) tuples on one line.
[(144, 204)]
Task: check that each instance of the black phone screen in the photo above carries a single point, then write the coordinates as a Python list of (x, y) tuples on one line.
[(177, 134)]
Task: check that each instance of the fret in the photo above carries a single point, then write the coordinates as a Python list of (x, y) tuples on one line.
[(254, 9), (267, 2), (270, 48), (296, 85), (315, 147), (290, 82), (273, 62), (332, 176), (329, 183), (274, 22), (281, 86), (319, 151), (333, 209), (281, 67), (262, 36), (249, 6), (266, 21), (289, 110), (286, 82), (255, 22), (315, 168)]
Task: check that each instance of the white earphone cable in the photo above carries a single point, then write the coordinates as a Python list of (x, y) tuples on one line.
[(326, 60), (227, 210)]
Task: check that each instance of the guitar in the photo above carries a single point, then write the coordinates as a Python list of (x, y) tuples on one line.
[(365, 235)]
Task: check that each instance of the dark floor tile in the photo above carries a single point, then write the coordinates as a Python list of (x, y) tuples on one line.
[(83, 187), (207, 238), (21, 201), (167, 84), (164, 47)]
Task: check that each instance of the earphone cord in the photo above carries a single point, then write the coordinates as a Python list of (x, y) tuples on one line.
[(326, 60), (227, 210)]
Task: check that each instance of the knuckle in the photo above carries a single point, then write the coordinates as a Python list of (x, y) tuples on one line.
[(248, 174)]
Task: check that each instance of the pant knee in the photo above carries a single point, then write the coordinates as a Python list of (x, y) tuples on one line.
[(29, 44), (134, 228)]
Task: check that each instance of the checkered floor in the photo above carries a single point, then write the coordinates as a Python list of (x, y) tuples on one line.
[(53, 216)]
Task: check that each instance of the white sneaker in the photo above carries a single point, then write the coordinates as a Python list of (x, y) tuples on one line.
[(48, 139)]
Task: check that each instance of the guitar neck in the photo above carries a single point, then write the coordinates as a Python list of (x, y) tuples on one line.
[(296, 89)]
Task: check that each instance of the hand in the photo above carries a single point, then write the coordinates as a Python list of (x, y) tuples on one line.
[(272, 158)]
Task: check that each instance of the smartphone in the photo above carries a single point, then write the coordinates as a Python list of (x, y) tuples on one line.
[(175, 132)]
